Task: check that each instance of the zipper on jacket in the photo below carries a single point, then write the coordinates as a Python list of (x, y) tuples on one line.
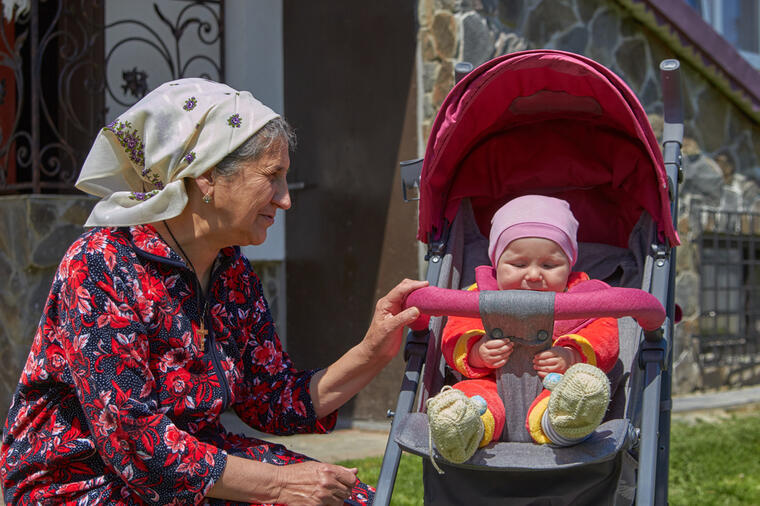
[(210, 343), (201, 301)]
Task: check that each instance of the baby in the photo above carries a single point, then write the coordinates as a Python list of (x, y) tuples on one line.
[(532, 246)]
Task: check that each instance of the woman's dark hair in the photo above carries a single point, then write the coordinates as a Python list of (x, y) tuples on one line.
[(275, 131)]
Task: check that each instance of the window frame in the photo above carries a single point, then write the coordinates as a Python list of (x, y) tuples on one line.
[(712, 12)]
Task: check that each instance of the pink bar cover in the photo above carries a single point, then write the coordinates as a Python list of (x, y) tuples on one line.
[(593, 303)]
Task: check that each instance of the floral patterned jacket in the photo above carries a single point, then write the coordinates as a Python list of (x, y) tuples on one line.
[(121, 392)]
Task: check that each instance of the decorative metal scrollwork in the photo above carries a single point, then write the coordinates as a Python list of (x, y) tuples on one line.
[(197, 25), (65, 63), (135, 82)]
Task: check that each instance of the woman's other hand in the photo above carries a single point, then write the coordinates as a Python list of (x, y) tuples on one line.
[(490, 353), (383, 339), (314, 483), (309, 483), (556, 359)]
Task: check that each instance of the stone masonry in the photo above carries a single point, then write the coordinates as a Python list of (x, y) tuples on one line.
[(721, 146), (35, 231)]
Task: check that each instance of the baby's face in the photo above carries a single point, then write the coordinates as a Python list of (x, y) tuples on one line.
[(533, 263)]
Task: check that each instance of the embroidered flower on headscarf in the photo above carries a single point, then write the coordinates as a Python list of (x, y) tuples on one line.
[(142, 196), (190, 157), (153, 178), (190, 104), (235, 121), (129, 140)]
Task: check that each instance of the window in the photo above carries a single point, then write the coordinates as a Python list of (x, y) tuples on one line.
[(738, 21), (729, 323)]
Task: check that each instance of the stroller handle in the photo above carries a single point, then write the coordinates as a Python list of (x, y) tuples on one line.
[(612, 302)]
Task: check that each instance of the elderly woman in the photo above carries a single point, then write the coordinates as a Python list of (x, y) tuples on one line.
[(155, 325)]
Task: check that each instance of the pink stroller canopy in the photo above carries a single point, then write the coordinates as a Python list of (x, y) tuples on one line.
[(551, 123)]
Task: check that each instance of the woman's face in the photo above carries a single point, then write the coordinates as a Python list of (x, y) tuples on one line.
[(248, 200)]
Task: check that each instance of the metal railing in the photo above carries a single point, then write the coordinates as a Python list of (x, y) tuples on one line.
[(60, 69), (729, 323)]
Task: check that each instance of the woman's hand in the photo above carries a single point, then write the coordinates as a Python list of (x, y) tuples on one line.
[(310, 482), (332, 387), (383, 339), (314, 483), (490, 353), (555, 359)]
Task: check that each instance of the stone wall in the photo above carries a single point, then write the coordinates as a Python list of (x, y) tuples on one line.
[(722, 144), (35, 231)]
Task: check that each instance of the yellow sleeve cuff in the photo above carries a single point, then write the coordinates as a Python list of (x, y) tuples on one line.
[(461, 350), (582, 345), (534, 422)]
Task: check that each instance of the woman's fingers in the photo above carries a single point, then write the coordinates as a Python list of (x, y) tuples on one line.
[(315, 483), (384, 335), (402, 319), (388, 310), (348, 477), (395, 298)]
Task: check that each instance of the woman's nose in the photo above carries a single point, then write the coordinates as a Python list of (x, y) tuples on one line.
[(282, 198)]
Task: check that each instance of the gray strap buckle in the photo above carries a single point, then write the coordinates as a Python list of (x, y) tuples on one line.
[(525, 317)]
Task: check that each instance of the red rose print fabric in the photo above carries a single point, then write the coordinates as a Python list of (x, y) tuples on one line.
[(120, 398)]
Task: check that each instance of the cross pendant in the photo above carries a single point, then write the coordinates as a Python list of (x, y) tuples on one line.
[(203, 333)]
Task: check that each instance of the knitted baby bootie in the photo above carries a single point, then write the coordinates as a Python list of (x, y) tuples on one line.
[(577, 405), (455, 424)]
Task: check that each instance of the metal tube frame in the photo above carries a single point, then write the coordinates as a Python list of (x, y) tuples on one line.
[(656, 356), (415, 352)]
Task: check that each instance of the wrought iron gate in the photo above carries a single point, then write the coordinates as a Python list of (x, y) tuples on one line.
[(66, 66)]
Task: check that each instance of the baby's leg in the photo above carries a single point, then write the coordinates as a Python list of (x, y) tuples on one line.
[(494, 417), (535, 415), (573, 408), (464, 418)]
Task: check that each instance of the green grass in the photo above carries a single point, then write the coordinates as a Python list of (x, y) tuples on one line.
[(712, 462), (716, 462), (408, 488)]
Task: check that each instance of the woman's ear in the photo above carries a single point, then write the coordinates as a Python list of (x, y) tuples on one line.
[(205, 182)]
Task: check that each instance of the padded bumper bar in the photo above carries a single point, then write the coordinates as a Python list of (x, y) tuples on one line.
[(614, 302)]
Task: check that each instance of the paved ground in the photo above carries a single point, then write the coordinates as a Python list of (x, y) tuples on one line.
[(717, 400), (357, 441)]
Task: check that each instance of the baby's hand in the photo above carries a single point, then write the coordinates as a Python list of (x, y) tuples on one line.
[(490, 353), (555, 359)]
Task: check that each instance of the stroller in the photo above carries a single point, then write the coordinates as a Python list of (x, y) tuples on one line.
[(552, 123)]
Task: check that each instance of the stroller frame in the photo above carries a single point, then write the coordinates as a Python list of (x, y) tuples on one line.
[(655, 354)]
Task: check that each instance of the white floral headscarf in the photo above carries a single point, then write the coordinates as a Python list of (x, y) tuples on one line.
[(181, 129)]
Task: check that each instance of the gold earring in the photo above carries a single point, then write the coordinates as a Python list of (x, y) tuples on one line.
[(207, 198)]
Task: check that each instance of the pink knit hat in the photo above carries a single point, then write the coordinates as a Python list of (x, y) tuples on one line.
[(534, 216)]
